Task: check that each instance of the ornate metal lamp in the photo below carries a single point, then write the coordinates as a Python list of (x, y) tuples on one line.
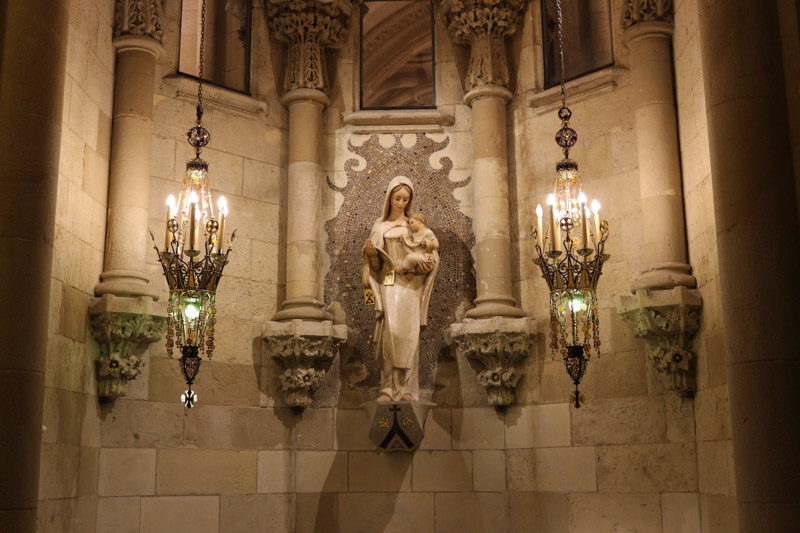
[(571, 255), (193, 267)]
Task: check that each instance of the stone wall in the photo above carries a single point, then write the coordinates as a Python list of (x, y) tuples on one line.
[(70, 445), (633, 457)]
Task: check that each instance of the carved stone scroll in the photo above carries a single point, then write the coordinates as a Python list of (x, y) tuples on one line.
[(497, 347), (646, 11), (668, 322), (138, 17), (484, 26), (308, 27), (123, 327), (304, 351)]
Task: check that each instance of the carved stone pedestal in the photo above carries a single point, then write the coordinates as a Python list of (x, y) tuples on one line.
[(667, 320), (123, 327), (496, 347), (397, 426), (304, 351)]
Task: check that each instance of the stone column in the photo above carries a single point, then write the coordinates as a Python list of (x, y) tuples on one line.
[(125, 296), (32, 69), (303, 242), (648, 35), (493, 332), (484, 26), (137, 37), (664, 288), (758, 241), (307, 28)]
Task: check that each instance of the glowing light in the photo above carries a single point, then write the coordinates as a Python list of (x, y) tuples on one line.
[(595, 206), (222, 204), (581, 198), (193, 198), (551, 199), (172, 206), (191, 309), (539, 211)]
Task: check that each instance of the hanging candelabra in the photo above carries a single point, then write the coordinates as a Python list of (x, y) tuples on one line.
[(194, 253), (572, 253)]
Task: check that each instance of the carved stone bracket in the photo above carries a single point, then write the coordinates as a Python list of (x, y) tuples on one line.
[(667, 320), (304, 350), (138, 17), (308, 27), (484, 26), (123, 327), (646, 11), (496, 347)]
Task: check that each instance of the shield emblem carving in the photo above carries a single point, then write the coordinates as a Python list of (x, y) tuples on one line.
[(397, 426)]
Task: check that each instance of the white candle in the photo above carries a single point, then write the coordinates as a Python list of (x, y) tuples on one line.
[(223, 210), (596, 211), (584, 220), (539, 226), (554, 232), (192, 221)]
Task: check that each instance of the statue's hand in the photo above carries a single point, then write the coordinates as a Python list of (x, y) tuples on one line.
[(370, 249), (424, 267)]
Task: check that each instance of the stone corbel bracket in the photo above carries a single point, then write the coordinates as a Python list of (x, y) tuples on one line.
[(667, 320), (304, 350), (496, 347), (123, 327), (483, 25)]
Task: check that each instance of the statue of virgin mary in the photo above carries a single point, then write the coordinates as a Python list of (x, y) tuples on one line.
[(400, 297)]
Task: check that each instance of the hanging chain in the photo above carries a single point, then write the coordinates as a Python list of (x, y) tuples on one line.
[(560, 51), (202, 60)]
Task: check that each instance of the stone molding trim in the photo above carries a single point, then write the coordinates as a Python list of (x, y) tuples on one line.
[(667, 320), (123, 327), (637, 11), (497, 348), (304, 351), (138, 17), (308, 27), (484, 26)]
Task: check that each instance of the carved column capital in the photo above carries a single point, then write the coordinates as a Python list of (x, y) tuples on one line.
[(304, 351), (637, 11), (123, 327), (484, 26), (496, 347), (308, 27), (138, 17), (668, 322)]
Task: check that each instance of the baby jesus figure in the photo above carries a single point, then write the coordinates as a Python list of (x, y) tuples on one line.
[(421, 246)]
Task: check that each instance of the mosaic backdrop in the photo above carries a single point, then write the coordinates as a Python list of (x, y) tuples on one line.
[(347, 232)]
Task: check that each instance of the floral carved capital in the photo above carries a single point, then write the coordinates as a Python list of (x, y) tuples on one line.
[(138, 17), (636, 11), (307, 27), (483, 25), (498, 356), (304, 359), (121, 336), (668, 329)]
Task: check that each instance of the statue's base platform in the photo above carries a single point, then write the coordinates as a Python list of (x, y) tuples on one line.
[(397, 426)]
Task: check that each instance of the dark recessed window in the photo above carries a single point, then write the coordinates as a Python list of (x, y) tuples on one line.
[(587, 38), (226, 59), (397, 54)]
